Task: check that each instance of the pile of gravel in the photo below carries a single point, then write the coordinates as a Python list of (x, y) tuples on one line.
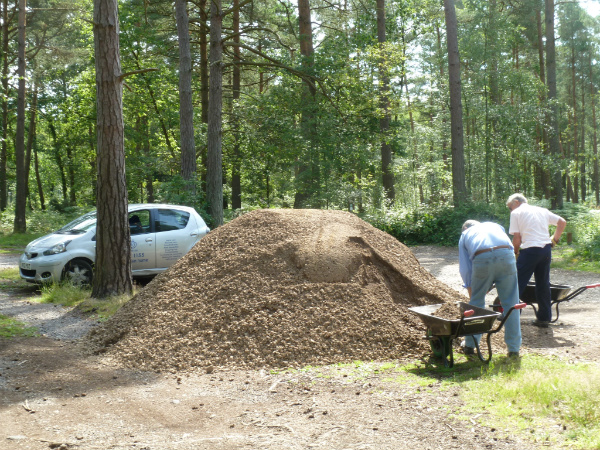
[(278, 288)]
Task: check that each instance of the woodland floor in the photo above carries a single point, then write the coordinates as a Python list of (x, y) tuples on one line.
[(54, 394)]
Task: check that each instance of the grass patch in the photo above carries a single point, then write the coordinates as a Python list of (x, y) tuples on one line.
[(546, 399), (564, 257), (10, 280), (11, 242), (13, 328), (72, 296), (63, 294)]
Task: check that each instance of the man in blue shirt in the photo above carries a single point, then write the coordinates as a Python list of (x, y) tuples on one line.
[(486, 256)]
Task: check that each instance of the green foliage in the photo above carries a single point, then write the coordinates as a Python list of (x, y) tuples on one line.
[(435, 225)]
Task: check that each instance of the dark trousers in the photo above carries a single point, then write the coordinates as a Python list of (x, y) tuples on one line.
[(536, 261)]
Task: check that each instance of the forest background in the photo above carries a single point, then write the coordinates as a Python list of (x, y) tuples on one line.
[(326, 104)]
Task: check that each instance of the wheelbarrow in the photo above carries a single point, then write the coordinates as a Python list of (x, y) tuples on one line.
[(559, 293), (473, 320)]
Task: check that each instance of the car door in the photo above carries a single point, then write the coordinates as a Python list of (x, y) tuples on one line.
[(173, 238), (143, 245)]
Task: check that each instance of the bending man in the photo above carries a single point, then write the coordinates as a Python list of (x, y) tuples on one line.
[(486, 257)]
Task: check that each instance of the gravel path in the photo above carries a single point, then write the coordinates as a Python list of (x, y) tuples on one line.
[(53, 321)]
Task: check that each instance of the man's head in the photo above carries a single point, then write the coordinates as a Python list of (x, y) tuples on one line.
[(469, 223), (515, 200)]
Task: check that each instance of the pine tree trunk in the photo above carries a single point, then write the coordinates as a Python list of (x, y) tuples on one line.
[(112, 274), (459, 189), (236, 187), (557, 197), (5, 68), (20, 224), (387, 174), (186, 108), (214, 173)]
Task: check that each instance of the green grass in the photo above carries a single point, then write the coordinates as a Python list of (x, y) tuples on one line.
[(11, 242), (71, 296), (11, 281), (565, 257), (542, 399), (13, 328)]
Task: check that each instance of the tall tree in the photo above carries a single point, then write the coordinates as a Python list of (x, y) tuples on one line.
[(236, 188), (214, 172), (20, 225), (306, 175), (186, 108), (553, 144), (459, 189), (5, 87), (384, 105), (113, 249)]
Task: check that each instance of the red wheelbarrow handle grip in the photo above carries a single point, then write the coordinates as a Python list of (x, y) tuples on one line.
[(520, 305), (592, 286), (468, 313)]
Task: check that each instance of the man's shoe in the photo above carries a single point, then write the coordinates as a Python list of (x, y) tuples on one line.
[(468, 350), (513, 354), (540, 323)]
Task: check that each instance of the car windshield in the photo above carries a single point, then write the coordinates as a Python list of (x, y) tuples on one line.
[(80, 225)]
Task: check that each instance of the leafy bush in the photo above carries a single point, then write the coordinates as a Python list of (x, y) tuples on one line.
[(435, 225)]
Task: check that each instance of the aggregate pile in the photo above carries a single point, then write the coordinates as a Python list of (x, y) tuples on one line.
[(278, 288)]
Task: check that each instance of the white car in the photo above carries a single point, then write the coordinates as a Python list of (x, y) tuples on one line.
[(160, 235)]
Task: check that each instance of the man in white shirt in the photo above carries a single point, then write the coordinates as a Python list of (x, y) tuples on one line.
[(533, 246)]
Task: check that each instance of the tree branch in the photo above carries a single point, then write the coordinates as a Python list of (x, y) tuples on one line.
[(124, 75)]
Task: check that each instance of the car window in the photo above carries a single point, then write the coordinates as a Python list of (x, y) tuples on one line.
[(139, 222), (79, 225), (170, 219)]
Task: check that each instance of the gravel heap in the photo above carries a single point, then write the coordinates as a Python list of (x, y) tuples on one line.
[(278, 288)]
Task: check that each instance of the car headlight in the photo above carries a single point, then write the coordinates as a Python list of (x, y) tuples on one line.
[(58, 248)]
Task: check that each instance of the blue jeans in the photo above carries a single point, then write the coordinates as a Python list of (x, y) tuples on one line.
[(536, 261), (497, 267)]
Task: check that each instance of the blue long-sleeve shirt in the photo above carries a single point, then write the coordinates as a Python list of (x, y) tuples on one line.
[(478, 237)]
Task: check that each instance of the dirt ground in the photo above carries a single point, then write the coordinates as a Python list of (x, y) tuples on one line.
[(54, 395)]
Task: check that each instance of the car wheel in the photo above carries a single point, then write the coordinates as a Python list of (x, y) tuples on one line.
[(78, 272)]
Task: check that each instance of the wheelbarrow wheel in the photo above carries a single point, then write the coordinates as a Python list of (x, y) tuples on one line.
[(440, 345)]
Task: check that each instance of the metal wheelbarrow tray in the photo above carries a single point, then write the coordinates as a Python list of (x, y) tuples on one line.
[(559, 293), (473, 320)]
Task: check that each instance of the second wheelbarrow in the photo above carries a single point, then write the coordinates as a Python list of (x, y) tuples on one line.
[(559, 293), (473, 320)]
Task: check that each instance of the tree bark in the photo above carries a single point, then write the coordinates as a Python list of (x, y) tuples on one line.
[(5, 68), (595, 180), (387, 174), (553, 138), (236, 186), (20, 224), (214, 173), (459, 189), (186, 108), (305, 179), (112, 274)]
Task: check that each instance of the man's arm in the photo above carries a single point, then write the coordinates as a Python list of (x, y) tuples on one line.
[(516, 242), (560, 227)]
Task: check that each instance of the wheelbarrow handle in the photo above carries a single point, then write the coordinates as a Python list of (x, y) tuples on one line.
[(590, 286), (468, 313), (520, 305)]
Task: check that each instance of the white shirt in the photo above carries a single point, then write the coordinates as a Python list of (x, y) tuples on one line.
[(532, 222)]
